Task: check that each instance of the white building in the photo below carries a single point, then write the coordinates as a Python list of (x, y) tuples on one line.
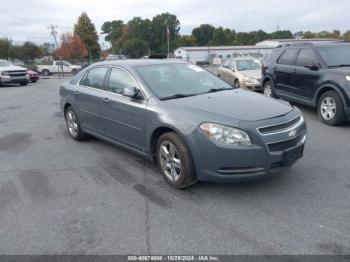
[(217, 54)]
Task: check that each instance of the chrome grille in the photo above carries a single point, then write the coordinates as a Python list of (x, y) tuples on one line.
[(283, 127)]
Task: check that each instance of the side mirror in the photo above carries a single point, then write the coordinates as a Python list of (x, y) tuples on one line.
[(313, 67), (132, 92)]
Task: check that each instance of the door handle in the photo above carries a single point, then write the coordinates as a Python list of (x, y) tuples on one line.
[(105, 100), (77, 93), (295, 71)]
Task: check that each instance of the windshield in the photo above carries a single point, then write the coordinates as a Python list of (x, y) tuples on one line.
[(247, 65), (335, 55), (179, 80), (4, 63)]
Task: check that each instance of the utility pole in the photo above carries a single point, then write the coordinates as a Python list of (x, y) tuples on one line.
[(167, 37), (53, 33)]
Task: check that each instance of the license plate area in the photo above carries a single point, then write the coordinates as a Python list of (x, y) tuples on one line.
[(293, 154)]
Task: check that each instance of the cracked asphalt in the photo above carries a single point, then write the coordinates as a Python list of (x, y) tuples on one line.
[(59, 196)]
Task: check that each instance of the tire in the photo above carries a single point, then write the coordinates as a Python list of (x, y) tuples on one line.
[(267, 89), (73, 125), (24, 84), (172, 145), (74, 71), (236, 84), (46, 72), (330, 109)]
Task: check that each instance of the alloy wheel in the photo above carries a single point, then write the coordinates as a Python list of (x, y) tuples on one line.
[(170, 160), (72, 123), (328, 108), (268, 90)]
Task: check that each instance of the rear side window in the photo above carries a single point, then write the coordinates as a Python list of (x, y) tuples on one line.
[(288, 57), (94, 77), (306, 57)]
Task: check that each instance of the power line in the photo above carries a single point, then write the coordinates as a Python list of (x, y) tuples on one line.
[(20, 18)]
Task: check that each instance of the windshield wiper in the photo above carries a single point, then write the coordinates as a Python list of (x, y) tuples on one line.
[(179, 95), (341, 65), (213, 90)]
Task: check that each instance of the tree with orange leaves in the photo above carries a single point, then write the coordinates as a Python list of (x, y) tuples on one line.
[(72, 47)]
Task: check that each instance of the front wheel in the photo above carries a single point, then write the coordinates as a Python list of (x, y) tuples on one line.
[(46, 72), (73, 125), (268, 89), (74, 71), (331, 109), (175, 161), (236, 84)]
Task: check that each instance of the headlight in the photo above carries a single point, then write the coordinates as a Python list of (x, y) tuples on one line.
[(249, 79), (5, 73), (225, 134), (347, 78)]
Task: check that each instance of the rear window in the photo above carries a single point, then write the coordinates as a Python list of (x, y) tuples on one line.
[(306, 57), (288, 57)]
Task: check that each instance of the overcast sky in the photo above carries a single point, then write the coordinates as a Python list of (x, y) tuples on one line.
[(28, 20)]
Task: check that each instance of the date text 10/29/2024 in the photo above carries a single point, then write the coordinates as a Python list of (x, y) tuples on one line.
[(173, 258)]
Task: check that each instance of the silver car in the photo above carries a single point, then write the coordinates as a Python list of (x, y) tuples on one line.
[(242, 72)]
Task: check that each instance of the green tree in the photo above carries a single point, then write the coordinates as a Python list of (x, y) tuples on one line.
[(135, 47), (158, 40), (5, 47), (285, 34), (87, 32), (114, 30), (185, 40), (346, 36), (203, 34), (221, 36)]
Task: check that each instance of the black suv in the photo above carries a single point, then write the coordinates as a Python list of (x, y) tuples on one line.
[(316, 75)]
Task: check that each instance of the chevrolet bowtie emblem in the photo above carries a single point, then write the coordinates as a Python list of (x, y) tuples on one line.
[(292, 133)]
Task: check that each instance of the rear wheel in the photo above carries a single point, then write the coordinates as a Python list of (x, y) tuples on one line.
[(175, 161), (268, 89), (73, 125), (331, 109), (46, 72), (23, 84), (74, 71)]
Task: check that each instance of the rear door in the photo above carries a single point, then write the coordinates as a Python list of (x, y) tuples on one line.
[(306, 78), (89, 97), (285, 71), (124, 117)]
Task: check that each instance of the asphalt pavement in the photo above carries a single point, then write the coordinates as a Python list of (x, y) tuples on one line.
[(59, 196)]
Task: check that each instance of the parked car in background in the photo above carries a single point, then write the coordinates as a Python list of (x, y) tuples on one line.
[(195, 125), (242, 72), (316, 75), (115, 57), (33, 76), (58, 67), (10, 73)]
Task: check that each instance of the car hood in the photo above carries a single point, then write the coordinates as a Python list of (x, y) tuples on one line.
[(12, 68), (237, 103), (252, 73)]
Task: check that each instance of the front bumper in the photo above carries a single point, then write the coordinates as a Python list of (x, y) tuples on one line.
[(253, 86), (14, 80), (230, 163)]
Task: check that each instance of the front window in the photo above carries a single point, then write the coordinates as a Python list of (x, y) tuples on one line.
[(243, 65), (119, 80), (4, 63), (167, 80), (336, 55)]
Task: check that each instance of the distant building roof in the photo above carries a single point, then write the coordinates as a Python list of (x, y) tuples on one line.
[(277, 42), (223, 48)]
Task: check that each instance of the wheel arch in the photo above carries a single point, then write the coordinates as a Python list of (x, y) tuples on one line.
[(156, 133), (326, 88)]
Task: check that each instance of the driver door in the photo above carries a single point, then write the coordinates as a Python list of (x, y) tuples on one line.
[(124, 117)]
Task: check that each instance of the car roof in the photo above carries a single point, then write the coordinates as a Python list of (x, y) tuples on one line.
[(315, 44), (140, 62)]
